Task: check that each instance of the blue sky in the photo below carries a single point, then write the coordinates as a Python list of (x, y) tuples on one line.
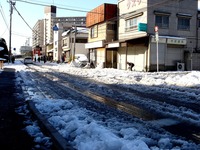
[(31, 13)]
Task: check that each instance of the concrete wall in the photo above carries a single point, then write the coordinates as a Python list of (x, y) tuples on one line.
[(174, 8), (196, 61), (192, 61)]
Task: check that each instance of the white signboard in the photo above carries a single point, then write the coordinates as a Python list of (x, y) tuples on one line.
[(176, 41), (94, 44)]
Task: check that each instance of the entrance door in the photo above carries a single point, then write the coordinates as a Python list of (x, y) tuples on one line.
[(111, 59)]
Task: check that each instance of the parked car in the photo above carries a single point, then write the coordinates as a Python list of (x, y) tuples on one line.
[(28, 60), (81, 59), (3, 50)]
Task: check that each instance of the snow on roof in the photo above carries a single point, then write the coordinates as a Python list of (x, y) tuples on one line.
[(79, 30)]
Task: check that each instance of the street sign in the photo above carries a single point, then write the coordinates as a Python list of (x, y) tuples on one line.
[(156, 28), (55, 28)]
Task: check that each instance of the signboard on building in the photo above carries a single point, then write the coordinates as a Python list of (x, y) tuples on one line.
[(176, 41), (142, 27), (94, 44), (113, 45)]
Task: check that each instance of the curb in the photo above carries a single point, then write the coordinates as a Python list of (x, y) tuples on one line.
[(59, 142)]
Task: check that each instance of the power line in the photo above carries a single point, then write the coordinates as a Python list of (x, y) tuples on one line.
[(4, 18), (70, 9), (3, 15), (23, 18)]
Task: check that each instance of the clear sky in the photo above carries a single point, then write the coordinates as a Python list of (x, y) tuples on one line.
[(32, 12)]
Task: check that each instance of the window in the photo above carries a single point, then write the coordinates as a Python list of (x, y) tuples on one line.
[(111, 27), (65, 42), (183, 23), (81, 40), (93, 32), (162, 21), (131, 23)]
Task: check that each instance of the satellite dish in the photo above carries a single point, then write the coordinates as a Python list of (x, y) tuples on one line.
[(1, 48)]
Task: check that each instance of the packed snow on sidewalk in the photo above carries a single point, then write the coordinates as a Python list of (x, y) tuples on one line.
[(88, 134)]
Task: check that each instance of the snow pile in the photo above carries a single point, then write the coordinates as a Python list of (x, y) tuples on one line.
[(75, 123)]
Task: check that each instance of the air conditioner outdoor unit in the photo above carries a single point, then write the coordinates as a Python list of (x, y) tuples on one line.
[(180, 66)]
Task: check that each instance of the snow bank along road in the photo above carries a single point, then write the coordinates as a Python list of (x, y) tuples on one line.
[(157, 112)]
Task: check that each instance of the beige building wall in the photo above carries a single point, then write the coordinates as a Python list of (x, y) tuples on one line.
[(121, 58), (99, 33), (130, 9), (101, 56)]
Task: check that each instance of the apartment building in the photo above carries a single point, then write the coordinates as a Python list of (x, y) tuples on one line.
[(49, 14), (176, 22), (38, 46), (38, 34), (42, 35), (102, 25)]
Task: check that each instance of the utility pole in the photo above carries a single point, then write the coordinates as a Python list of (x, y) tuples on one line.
[(75, 28), (45, 40), (157, 39), (12, 3)]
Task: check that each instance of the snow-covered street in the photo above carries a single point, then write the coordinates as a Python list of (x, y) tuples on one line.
[(92, 129)]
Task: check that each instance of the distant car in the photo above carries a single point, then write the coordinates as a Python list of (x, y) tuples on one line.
[(81, 59), (28, 60)]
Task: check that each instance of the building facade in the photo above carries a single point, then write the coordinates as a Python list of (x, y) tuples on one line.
[(47, 38), (38, 46), (102, 30), (176, 22), (73, 42), (174, 46), (62, 24), (49, 14), (42, 32)]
